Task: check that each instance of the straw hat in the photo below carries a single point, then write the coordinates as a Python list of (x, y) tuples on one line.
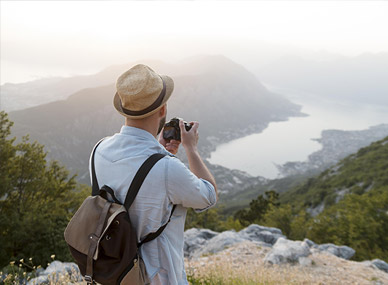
[(141, 92)]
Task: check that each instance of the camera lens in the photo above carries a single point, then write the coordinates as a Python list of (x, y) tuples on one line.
[(168, 132)]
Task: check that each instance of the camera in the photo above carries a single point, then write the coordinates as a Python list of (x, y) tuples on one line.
[(172, 130)]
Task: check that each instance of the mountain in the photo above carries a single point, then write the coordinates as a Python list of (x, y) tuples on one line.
[(232, 201), (34, 93), (359, 173), (226, 99), (361, 79)]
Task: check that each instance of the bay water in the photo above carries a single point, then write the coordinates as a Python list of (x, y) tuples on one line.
[(281, 142)]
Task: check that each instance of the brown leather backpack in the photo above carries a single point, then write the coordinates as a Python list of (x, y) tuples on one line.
[(100, 235)]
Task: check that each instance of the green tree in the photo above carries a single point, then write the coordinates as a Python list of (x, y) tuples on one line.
[(209, 219), (7, 151), (258, 208), (37, 199), (279, 217), (359, 221), (231, 224), (299, 225)]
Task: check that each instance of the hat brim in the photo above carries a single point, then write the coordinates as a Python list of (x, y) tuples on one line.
[(169, 88)]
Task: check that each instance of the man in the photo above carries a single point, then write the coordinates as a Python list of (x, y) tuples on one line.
[(141, 98)]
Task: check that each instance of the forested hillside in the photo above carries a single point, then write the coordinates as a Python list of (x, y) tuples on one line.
[(358, 173), (37, 199), (346, 204)]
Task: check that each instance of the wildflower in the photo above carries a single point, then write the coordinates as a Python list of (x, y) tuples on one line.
[(39, 266), (22, 260), (20, 265), (30, 259), (12, 263), (53, 256), (24, 273)]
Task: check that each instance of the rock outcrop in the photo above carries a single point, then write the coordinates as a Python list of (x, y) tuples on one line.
[(288, 251), (200, 242), (343, 251), (195, 239), (261, 234), (203, 242), (377, 263), (57, 273)]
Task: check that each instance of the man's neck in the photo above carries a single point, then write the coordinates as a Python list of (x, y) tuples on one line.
[(144, 124)]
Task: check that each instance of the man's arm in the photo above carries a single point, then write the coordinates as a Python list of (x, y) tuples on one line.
[(196, 164)]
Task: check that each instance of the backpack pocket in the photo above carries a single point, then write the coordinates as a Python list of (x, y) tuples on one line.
[(85, 221), (135, 276), (115, 236)]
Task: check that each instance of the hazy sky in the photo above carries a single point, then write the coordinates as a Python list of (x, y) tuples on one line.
[(51, 38)]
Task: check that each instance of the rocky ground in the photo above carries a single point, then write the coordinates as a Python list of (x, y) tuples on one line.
[(245, 261), (254, 255), (263, 255)]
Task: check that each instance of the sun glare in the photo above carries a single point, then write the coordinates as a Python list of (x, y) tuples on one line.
[(95, 34)]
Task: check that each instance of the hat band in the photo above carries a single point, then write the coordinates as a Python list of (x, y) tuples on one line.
[(152, 107)]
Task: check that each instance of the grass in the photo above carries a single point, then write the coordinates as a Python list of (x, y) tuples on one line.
[(225, 271), (228, 276), (22, 272)]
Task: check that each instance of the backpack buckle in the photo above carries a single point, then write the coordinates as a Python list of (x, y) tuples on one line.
[(89, 280)]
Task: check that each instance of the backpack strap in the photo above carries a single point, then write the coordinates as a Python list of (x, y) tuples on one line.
[(154, 235), (95, 187), (138, 180), (135, 187), (94, 238)]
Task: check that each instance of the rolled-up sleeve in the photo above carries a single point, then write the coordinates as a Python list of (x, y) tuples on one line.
[(186, 189)]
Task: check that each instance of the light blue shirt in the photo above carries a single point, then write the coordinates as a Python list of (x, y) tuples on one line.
[(169, 182)]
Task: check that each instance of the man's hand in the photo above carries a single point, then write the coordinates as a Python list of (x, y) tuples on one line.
[(170, 145), (189, 138), (196, 164)]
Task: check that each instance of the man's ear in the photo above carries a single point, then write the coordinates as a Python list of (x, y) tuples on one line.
[(163, 111)]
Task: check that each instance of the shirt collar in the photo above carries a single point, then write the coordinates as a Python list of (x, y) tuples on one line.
[(128, 130), (132, 131)]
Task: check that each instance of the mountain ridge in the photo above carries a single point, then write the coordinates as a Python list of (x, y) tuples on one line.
[(69, 128), (18, 96)]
